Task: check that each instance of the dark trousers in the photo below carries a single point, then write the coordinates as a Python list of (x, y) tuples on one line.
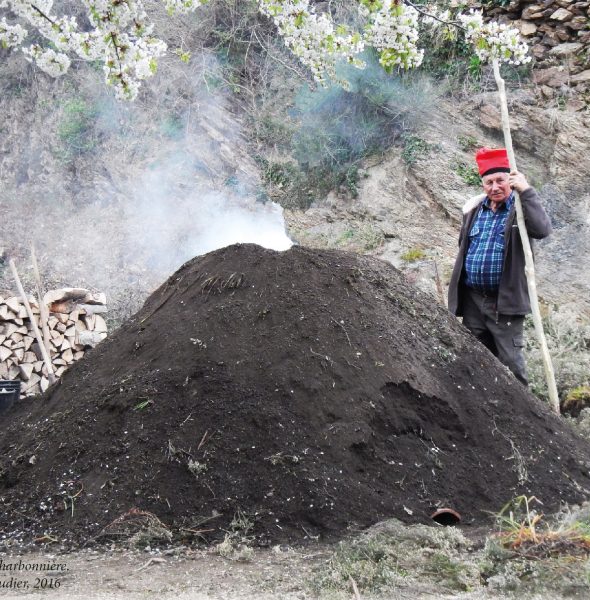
[(502, 335)]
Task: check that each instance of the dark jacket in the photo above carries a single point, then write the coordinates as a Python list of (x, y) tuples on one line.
[(513, 295)]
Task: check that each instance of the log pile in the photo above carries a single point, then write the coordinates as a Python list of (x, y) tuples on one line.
[(74, 324), (558, 33)]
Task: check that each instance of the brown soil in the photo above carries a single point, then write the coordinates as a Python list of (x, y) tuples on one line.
[(313, 392)]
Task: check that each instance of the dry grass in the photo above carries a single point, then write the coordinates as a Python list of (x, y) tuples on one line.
[(138, 527), (524, 532)]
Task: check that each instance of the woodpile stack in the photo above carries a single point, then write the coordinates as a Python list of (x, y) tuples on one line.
[(74, 324), (558, 33)]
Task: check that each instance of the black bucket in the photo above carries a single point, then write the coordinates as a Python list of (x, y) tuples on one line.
[(9, 393)]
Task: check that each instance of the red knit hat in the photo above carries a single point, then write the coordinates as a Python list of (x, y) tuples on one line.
[(492, 161)]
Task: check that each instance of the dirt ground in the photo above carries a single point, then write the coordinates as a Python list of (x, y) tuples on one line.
[(100, 575), (277, 574)]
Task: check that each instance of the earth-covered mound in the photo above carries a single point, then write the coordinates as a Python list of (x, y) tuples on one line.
[(310, 391)]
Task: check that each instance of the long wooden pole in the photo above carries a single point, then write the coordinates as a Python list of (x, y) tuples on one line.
[(529, 268), (42, 307), (44, 353)]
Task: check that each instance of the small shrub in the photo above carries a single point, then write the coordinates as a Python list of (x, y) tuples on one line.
[(280, 174), (474, 67), (237, 543), (76, 129), (370, 562), (413, 254), (468, 173), (577, 399), (351, 179), (467, 142), (415, 148), (568, 339), (452, 573), (362, 237)]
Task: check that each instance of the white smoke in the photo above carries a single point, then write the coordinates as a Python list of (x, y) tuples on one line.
[(178, 213), (166, 179)]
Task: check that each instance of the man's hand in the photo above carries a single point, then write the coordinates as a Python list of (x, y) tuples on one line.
[(518, 182)]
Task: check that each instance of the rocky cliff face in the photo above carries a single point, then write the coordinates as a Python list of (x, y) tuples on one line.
[(559, 34), (402, 209)]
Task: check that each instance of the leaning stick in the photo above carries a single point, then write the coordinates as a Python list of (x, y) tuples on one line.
[(355, 588), (42, 306), (44, 353), (529, 268)]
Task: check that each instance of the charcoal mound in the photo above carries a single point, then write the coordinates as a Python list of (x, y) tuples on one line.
[(314, 392)]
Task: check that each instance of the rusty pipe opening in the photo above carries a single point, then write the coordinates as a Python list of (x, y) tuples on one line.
[(446, 516)]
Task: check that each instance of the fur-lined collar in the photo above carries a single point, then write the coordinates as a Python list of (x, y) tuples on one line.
[(472, 203)]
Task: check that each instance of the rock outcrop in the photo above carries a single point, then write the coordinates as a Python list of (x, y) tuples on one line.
[(558, 32)]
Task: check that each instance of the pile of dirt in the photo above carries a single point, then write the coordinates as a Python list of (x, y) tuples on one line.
[(309, 392)]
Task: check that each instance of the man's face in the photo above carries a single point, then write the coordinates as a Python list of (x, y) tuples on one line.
[(496, 187)]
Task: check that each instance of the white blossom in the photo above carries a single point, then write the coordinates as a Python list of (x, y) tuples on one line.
[(313, 38), (493, 40), (121, 36), (182, 6), (48, 60), (393, 29), (11, 36)]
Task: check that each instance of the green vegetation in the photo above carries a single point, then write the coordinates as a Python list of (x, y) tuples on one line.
[(272, 130), (334, 129), (530, 553), (312, 140), (413, 254), (393, 554), (451, 573), (76, 129), (468, 173), (237, 543), (468, 143), (527, 554), (372, 562), (143, 404), (278, 174), (363, 237), (577, 399), (568, 340), (415, 148), (450, 60)]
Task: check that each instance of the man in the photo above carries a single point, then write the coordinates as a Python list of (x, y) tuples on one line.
[(488, 286)]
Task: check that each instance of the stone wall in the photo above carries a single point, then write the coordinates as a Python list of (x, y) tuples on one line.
[(558, 32)]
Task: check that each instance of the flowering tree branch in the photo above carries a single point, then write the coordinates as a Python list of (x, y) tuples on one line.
[(432, 15), (42, 14), (120, 35)]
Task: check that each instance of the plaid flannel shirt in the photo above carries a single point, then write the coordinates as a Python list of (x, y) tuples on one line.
[(485, 254)]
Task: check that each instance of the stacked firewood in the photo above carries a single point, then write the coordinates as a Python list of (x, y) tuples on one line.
[(74, 323)]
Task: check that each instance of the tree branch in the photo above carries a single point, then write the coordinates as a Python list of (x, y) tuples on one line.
[(425, 14), (113, 39), (42, 14)]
